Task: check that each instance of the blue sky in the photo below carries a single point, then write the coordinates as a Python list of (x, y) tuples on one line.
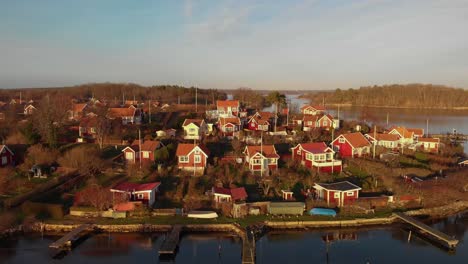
[(263, 44)]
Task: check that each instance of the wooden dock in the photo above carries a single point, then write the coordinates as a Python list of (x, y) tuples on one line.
[(449, 241), (248, 250), (170, 244), (67, 240)]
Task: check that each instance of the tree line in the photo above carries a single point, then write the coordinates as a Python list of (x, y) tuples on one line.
[(396, 95), (118, 92)]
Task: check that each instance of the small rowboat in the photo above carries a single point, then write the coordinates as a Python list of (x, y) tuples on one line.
[(202, 214)]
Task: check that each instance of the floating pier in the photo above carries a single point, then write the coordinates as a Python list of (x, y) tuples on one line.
[(170, 244), (248, 250), (67, 240), (450, 242)]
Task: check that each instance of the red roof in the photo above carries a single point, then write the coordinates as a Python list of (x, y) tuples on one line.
[(227, 103), (356, 139), (226, 120), (136, 187), (150, 145), (235, 193), (417, 131), (78, 107), (315, 147), (184, 149), (268, 151), (384, 137), (89, 122), (121, 112), (432, 140)]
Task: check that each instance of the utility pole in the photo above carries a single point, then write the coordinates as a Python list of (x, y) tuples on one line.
[(178, 99), (333, 158), (427, 127), (149, 110), (196, 100), (387, 119), (276, 115), (20, 97), (287, 113), (261, 153), (375, 140), (139, 146)]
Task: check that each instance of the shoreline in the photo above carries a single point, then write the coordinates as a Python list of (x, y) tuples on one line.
[(347, 105), (433, 213)]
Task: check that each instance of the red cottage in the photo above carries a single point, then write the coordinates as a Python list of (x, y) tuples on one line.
[(148, 149), (228, 107), (317, 121), (261, 121), (192, 157), (339, 193), (261, 158), (145, 193), (88, 127), (77, 111), (225, 195), (6, 156), (318, 156), (351, 145), (229, 126), (429, 144)]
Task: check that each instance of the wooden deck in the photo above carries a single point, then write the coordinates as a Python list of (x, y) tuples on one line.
[(248, 250), (169, 246), (450, 242), (66, 240)]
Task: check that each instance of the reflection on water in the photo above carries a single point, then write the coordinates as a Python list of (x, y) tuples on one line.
[(358, 245)]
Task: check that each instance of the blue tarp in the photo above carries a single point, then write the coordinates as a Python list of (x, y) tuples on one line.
[(322, 211)]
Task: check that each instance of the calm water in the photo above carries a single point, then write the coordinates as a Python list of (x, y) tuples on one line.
[(376, 245)]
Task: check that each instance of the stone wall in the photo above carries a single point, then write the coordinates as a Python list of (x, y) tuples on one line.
[(331, 223)]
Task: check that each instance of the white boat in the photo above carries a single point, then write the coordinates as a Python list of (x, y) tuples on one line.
[(202, 214)]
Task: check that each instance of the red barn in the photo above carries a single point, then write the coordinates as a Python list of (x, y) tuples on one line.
[(339, 193), (145, 192), (6, 156), (317, 155), (261, 158), (192, 157), (351, 145)]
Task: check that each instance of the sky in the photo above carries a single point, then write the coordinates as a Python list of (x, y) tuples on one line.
[(227, 44)]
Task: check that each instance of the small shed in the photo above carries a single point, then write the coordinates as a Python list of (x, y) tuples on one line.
[(286, 208)]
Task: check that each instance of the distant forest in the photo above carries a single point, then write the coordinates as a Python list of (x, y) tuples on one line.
[(119, 91), (404, 96)]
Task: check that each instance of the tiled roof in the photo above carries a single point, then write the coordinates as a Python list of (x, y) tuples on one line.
[(403, 132), (432, 140), (136, 187), (339, 186), (268, 151), (226, 120), (150, 145), (236, 193), (88, 122), (384, 137), (121, 112), (315, 147), (227, 103), (78, 107), (184, 149), (356, 139), (197, 122), (417, 131)]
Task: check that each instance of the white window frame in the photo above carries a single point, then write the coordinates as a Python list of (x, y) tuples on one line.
[(197, 158), (336, 195), (140, 196), (325, 123), (146, 154), (183, 159), (272, 161), (129, 155), (256, 161), (350, 193), (299, 152), (341, 140), (309, 156)]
